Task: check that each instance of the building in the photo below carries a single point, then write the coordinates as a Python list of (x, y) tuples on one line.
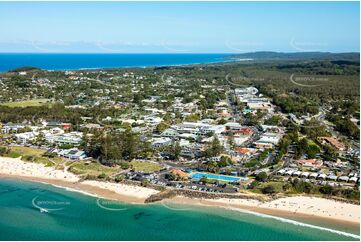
[(268, 141), (310, 163), (25, 137), (10, 127), (160, 142), (73, 154), (333, 142), (72, 138), (245, 131)]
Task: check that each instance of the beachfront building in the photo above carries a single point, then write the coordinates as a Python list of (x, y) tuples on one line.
[(73, 154), (10, 127), (72, 138), (25, 137)]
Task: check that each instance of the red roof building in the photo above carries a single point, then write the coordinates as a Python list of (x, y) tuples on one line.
[(245, 131), (310, 162)]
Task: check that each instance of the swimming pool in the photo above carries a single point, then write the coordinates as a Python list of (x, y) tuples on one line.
[(199, 175)]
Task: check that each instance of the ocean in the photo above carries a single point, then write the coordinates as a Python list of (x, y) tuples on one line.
[(10, 61), (70, 215)]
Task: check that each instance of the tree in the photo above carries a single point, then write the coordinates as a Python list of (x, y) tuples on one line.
[(214, 149), (262, 176), (301, 147), (102, 176), (119, 178), (177, 149), (161, 127), (212, 166), (222, 121), (224, 161), (144, 183), (327, 189), (204, 180), (268, 189), (230, 139)]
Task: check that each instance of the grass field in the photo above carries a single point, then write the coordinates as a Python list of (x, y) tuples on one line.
[(145, 166), (276, 185), (27, 103), (17, 151), (34, 155), (92, 169)]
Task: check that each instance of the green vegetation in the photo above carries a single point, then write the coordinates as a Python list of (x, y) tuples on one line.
[(17, 151), (27, 103), (145, 166), (298, 186), (92, 169)]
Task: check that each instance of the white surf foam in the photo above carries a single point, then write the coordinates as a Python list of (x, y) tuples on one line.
[(285, 220)]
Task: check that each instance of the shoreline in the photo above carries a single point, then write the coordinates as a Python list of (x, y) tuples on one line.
[(283, 214), (225, 58), (296, 207)]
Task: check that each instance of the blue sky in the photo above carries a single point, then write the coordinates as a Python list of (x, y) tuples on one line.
[(179, 27)]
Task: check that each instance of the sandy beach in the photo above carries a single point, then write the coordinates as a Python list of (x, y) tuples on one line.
[(295, 206), (16, 168), (292, 207)]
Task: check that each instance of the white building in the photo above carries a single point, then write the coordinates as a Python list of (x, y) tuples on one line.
[(25, 137)]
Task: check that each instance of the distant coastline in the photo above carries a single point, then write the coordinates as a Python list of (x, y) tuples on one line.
[(69, 61)]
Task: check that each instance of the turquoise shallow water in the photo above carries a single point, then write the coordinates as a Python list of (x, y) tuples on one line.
[(74, 216)]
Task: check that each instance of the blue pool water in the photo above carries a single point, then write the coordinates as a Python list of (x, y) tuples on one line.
[(199, 175)]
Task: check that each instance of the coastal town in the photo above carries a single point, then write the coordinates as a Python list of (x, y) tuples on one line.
[(159, 129), (180, 120)]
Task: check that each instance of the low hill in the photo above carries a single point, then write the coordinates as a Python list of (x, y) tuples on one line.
[(270, 55)]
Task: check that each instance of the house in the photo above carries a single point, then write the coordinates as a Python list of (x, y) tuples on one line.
[(72, 138), (296, 173), (245, 131), (313, 175), (171, 133), (160, 142), (310, 163), (343, 178), (333, 142), (268, 140), (281, 172), (331, 177), (322, 177), (179, 174), (233, 126), (244, 151), (10, 127), (25, 137), (289, 173), (91, 126), (73, 154), (259, 105), (153, 120), (353, 179), (305, 174)]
